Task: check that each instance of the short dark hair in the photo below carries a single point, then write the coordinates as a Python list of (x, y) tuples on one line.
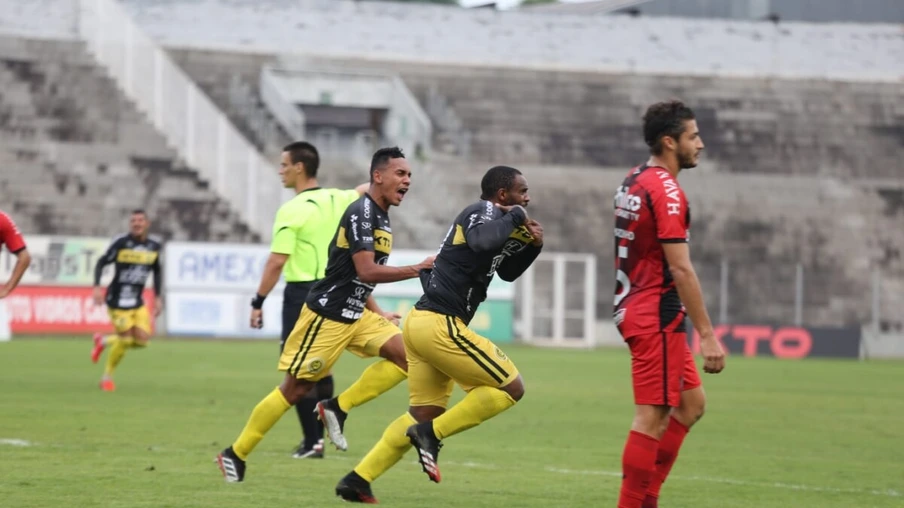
[(383, 156), (139, 211), (305, 153), (664, 119), (497, 177)]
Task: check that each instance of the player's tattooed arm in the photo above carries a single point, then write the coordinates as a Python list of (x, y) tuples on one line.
[(483, 234)]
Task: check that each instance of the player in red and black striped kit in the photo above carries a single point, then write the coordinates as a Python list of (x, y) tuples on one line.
[(656, 288), (10, 236)]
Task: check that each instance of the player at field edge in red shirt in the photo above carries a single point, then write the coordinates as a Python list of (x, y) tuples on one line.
[(656, 289), (12, 238)]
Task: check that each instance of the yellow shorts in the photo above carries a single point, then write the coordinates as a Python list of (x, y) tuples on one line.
[(125, 319), (317, 342), (441, 349)]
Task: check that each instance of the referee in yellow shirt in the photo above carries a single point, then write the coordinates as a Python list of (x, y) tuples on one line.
[(302, 232)]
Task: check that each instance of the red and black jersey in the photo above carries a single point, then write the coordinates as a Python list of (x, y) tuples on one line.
[(10, 235), (650, 209)]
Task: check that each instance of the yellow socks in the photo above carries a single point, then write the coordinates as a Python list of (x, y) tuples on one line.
[(379, 378), (117, 351), (388, 450), (478, 406), (265, 415)]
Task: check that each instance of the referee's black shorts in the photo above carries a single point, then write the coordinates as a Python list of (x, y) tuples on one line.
[(293, 300)]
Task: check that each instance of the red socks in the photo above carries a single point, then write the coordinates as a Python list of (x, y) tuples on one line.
[(638, 468), (665, 457)]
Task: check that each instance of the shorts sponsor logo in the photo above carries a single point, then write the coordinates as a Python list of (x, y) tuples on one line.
[(315, 365), (500, 354)]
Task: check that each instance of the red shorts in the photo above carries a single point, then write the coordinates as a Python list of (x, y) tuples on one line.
[(662, 366)]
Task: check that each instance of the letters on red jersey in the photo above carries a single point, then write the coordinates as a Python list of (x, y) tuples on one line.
[(650, 209)]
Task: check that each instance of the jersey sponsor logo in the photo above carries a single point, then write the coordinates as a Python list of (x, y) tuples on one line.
[(488, 212), (622, 233), (619, 317), (382, 241), (354, 219), (350, 314), (626, 204), (365, 225), (136, 257), (366, 208), (521, 233), (671, 191), (626, 201), (323, 301), (137, 274)]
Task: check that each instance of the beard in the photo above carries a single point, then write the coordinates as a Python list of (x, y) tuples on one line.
[(686, 160)]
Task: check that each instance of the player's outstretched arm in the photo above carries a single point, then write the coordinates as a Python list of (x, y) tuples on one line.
[(679, 258), (23, 259), (491, 234), (369, 272)]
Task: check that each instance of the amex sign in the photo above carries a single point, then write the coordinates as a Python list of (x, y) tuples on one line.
[(209, 287)]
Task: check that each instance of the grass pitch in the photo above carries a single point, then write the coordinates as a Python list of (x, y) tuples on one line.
[(797, 434)]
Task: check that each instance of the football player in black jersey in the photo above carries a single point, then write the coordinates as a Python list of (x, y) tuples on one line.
[(136, 256), (492, 236), (340, 314)]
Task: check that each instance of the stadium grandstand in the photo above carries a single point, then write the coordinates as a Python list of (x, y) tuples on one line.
[(182, 107)]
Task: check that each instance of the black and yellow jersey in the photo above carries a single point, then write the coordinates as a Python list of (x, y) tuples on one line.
[(482, 241), (340, 295), (135, 260)]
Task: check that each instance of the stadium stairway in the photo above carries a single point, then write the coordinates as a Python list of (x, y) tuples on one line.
[(77, 155)]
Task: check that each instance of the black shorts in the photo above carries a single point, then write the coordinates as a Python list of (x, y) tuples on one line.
[(293, 300)]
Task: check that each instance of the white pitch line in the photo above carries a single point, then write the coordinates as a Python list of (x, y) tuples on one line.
[(14, 442), (744, 483), (615, 474)]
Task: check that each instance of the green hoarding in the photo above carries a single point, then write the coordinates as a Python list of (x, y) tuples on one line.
[(493, 319)]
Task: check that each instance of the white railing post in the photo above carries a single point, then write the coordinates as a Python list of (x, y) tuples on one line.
[(558, 298), (590, 300), (251, 188), (527, 305), (174, 104), (190, 125), (158, 90), (128, 65), (221, 155)]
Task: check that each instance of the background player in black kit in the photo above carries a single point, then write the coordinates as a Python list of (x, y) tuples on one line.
[(491, 236), (136, 256)]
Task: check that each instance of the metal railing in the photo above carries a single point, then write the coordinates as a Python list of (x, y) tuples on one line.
[(191, 123)]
